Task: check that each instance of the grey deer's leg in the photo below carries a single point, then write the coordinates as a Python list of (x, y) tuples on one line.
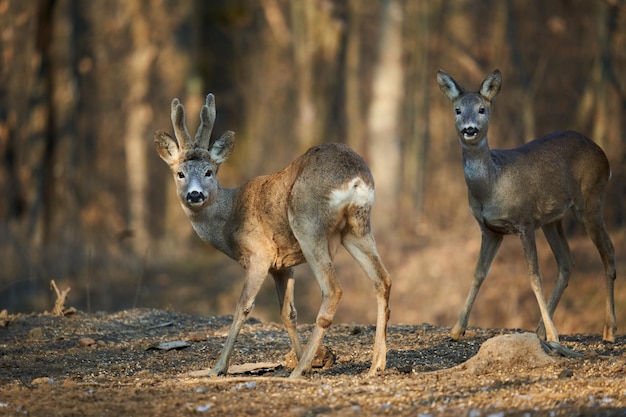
[(594, 224), (489, 245), (530, 251), (558, 243)]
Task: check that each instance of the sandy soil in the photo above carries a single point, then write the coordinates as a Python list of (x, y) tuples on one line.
[(110, 365)]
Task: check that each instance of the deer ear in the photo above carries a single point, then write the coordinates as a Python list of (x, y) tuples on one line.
[(222, 147), (491, 85), (166, 146), (450, 88)]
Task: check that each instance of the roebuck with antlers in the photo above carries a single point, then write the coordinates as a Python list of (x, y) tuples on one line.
[(519, 190), (271, 223)]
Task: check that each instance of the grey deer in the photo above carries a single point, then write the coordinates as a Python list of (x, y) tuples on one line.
[(272, 223), (518, 190)]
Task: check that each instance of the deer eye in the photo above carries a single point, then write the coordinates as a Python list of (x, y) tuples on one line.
[(180, 174), (481, 110), (209, 173), (457, 110)]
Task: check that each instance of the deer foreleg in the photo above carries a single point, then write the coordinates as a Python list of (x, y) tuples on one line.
[(254, 279), (488, 248)]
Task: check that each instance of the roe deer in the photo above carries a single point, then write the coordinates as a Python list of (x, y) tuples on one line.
[(518, 190), (271, 223)]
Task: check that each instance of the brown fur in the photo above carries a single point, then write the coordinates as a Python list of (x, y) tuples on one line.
[(271, 223)]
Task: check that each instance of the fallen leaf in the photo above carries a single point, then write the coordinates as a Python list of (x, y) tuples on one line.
[(251, 368), (176, 344), (246, 368)]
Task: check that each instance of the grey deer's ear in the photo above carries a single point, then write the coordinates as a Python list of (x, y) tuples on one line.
[(222, 147), (491, 85), (450, 88), (166, 146)]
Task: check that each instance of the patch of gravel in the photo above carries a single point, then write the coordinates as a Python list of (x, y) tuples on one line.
[(45, 369)]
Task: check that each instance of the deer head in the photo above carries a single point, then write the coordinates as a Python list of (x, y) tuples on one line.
[(194, 164), (472, 109)]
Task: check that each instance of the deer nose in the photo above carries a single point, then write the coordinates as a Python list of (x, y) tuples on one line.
[(195, 197), (470, 131)]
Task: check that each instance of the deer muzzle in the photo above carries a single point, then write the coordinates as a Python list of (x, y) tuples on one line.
[(470, 133), (195, 198)]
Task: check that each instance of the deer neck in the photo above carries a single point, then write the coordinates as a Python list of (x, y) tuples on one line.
[(479, 168), (210, 222)]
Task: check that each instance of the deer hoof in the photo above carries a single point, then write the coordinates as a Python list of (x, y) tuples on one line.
[(456, 332), (559, 349)]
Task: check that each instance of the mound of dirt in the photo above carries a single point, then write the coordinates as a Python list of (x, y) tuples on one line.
[(508, 351)]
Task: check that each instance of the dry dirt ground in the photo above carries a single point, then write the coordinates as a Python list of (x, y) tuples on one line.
[(109, 365)]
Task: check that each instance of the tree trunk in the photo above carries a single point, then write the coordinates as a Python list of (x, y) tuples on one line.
[(354, 117), (46, 187), (383, 115), (414, 161), (302, 15), (138, 117)]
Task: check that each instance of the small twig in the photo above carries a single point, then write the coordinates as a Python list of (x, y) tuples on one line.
[(59, 304), (105, 384), (160, 325), (231, 380)]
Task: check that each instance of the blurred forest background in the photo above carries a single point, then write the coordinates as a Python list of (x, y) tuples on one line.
[(87, 202)]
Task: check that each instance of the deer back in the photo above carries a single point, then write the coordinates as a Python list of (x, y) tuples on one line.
[(315, 194)]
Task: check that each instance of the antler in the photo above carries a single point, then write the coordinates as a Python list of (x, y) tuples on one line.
[(207, 120), (180, 128)]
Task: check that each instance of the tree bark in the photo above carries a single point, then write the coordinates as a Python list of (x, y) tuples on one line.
[(354, 117), (415, 149), (138, 117), (383, 115)]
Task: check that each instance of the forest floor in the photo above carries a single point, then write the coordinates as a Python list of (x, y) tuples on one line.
[(112, 364)]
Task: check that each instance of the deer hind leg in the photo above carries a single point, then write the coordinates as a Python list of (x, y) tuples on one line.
[(284, 280), (530, 251), (489, 245), (254, 279), (558, 243), (363, 249), (594, 224), (316, 252)]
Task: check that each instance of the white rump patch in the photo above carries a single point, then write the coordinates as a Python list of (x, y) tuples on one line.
[(354, 192)]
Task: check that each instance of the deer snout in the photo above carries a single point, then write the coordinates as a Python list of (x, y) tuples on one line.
[(195, 197), (469, 132)]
